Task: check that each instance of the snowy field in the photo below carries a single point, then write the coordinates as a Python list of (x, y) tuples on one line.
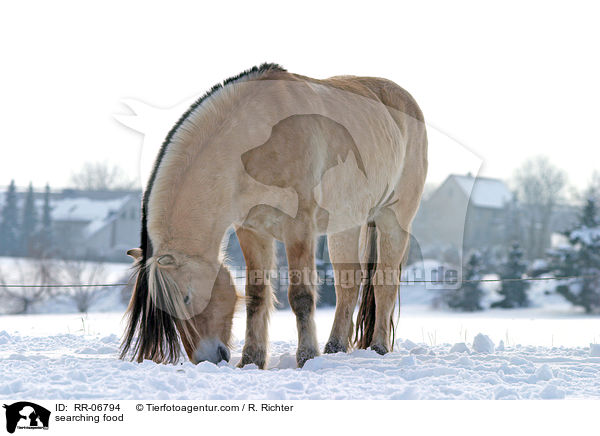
[(544, 354)]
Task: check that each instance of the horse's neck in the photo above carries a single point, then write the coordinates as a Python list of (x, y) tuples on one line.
[(191, 201), (202, 216)]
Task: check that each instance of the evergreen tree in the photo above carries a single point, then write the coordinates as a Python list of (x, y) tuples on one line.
[(514, 292), (581, 258), (589, 216), (44, 239), (28, 223), (9, 228), (468, 297)]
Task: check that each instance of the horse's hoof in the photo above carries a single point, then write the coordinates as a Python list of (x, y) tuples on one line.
[(379, 349), (333, 346), (302, 355), (256, 356)]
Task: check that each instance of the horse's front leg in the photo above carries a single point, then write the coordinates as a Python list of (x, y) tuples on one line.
[(302, 294), (258, 253)]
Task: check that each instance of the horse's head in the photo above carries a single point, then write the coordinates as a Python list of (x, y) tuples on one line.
[(177, 296)]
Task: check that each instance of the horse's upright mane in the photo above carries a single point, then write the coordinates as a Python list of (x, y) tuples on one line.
[(151, 333), (146, 245)]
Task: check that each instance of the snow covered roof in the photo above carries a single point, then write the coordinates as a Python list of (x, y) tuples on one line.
[(85, 209), (97, 213), (484, 192)]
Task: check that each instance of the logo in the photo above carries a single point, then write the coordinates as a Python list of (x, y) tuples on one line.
[(26, 415)]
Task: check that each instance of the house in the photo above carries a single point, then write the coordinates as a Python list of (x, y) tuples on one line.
[(468, 213), (463, 213), (96, 226)]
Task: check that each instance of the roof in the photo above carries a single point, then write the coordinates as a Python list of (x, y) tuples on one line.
[(483, 191), (97, 213), (85, 209)]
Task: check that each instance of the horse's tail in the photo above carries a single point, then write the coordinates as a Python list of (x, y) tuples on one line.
[(365, 320)]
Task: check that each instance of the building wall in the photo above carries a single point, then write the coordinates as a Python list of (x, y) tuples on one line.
[(448, 220), (441, 219), (121, 232)]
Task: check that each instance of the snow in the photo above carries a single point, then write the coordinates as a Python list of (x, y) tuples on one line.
[(483, 344), (552, 392), (56, 356), (586, 235), (546, 352), (460, 347), (544, 372), (19, 270), (541, 293)]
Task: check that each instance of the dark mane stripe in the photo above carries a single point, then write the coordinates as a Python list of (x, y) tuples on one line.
[(151, 333)]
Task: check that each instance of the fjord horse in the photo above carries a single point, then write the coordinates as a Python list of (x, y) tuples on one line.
[(278, 156)]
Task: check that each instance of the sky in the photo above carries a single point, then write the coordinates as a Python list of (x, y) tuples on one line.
[(497, 83)]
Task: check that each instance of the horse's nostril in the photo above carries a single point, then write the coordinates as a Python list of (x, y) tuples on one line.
[(212, 350), (223, 353)]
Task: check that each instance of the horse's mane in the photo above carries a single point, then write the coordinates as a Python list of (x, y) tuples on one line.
[(151, 332)]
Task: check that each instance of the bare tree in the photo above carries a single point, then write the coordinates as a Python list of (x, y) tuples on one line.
[(540, 187), (592, 190), (38, 272), (78, 272), (101, 176)]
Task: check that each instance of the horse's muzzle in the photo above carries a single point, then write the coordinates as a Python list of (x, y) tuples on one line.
[(211, 350)]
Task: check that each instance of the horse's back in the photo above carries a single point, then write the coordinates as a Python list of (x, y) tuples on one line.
[(410, 120), (386, 91), (389, 93), (371, 129)]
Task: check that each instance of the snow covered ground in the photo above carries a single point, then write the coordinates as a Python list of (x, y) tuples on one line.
[(543, 356), (536, 353)]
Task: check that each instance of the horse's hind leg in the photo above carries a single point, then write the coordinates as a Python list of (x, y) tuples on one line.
[(343, 252), (300, 250), (258, 253), (393, 243)]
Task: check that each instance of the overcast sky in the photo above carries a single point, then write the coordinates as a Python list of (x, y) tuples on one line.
[(496, 84)]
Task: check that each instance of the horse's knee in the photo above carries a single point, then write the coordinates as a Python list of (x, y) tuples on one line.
[(302, 301), (257, 299)]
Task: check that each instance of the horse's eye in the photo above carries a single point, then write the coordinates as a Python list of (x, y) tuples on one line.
[(166, 259), (188, 298)]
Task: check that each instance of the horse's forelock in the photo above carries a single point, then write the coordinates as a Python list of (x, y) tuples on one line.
[(151, 332)]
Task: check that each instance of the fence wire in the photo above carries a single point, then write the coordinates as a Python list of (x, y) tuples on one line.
[(522, 279)]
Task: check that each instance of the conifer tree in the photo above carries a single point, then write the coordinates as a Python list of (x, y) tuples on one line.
[(45, 237), (28, 224), (468, 297), (581, 259), (514, 292), (9, 227)]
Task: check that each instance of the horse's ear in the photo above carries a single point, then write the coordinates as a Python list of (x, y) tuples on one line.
[(136, 253)]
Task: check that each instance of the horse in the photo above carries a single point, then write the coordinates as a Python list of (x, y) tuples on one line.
[(277, 156)]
